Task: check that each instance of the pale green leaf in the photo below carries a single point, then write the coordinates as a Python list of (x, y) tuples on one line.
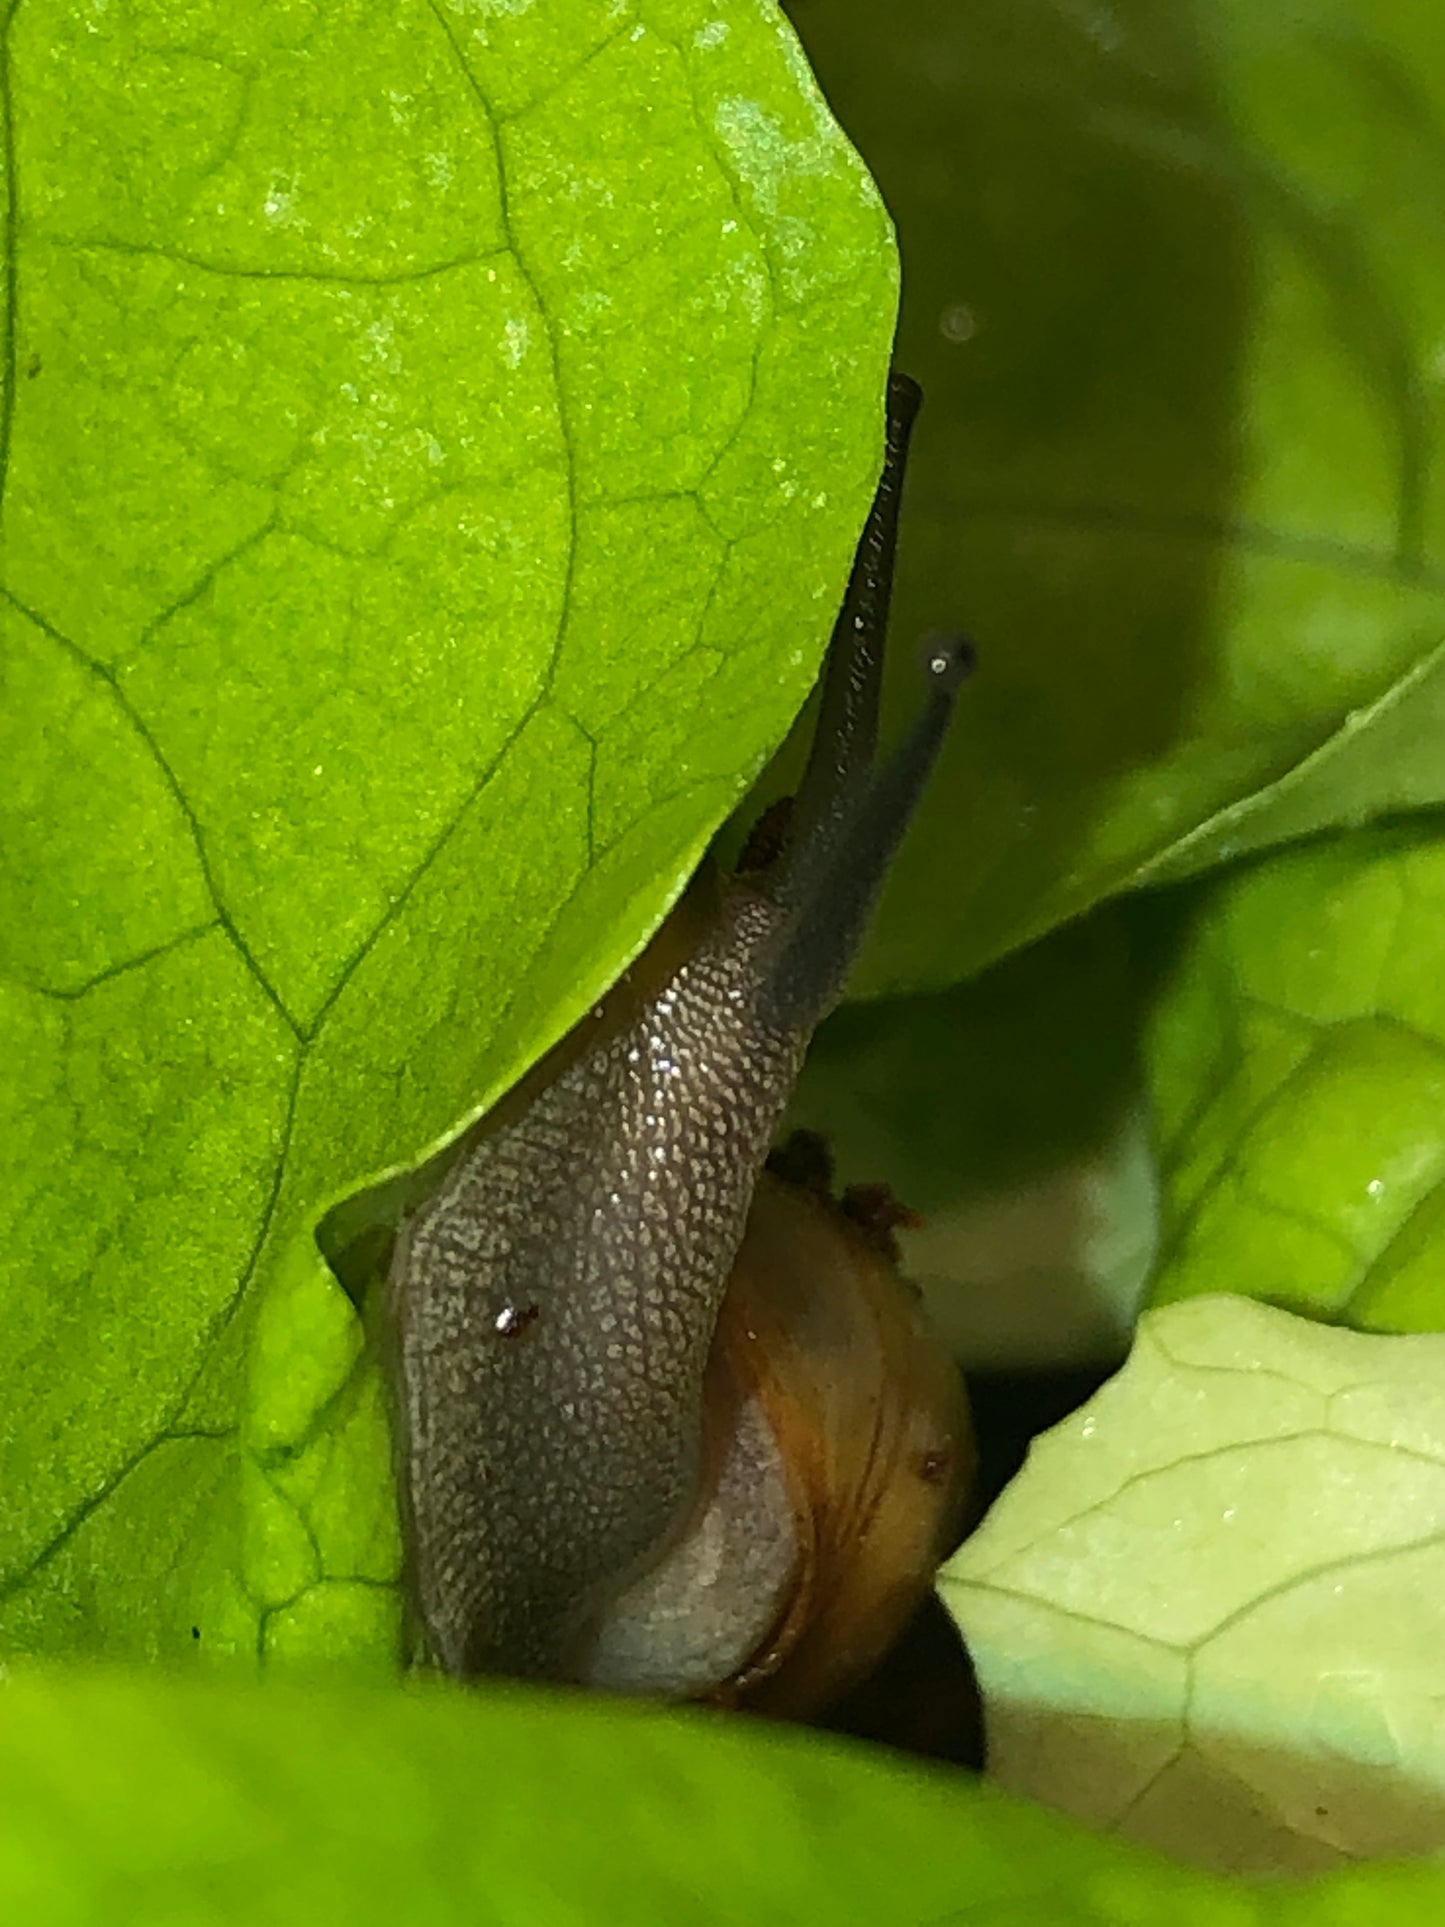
[(1206, 1615)]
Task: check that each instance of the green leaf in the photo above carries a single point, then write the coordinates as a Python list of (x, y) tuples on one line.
[(1206, 1614), (142, 1800), (1297, 1061), (1008, 1114), (435, 443), (1175, 293)]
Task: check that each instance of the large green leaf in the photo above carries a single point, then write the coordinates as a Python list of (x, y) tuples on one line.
[(434, 444), (1297, 1064), (1175, 292), (140, 1801), (135, 1801)]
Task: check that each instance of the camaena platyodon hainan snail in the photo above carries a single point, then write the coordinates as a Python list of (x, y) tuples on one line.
[(668, 1421)]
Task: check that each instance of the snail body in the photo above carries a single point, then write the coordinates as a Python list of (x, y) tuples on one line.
[(662, 1413)]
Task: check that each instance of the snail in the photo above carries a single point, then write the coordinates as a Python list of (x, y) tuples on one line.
[(668, 1420)]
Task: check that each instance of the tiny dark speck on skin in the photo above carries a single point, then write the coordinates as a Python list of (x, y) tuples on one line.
[(933, 1467), (195, 1632)]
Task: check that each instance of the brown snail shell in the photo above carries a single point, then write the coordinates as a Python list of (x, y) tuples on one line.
[(872, 1428)]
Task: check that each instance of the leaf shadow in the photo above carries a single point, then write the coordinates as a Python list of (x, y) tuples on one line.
[(1077, 294)]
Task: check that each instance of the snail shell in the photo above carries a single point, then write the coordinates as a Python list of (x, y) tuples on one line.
[(841, 1451)]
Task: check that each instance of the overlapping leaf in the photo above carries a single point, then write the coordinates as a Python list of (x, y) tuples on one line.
[(434, 447)]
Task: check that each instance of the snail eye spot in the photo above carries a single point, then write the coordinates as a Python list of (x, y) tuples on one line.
[(935, 1466), (512, 1320)]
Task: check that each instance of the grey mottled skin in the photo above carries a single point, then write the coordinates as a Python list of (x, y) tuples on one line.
[(613, 1208), (552, 1309)]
